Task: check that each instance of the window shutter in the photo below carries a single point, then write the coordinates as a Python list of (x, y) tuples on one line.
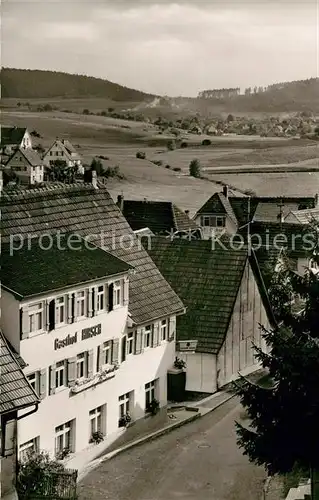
[(90, 362), (111, 297), (115, 351), (68, 307), (123, 354), (71, 371), (93, 301), (126, 292), (52, 379), (155, 335), (46, 315), (43, 383), (24, 322), (139, 341), (172, 328), (73, 308), (10, 432), (99, 357), (89, 302), (52, 315)]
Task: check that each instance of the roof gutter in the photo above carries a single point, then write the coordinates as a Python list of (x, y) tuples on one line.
[(30, 412)]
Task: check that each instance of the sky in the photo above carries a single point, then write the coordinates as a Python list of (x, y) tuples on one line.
[(164, 47)]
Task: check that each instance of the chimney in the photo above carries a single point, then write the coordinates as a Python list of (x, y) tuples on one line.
[(62, 140), (94, 179), (316, 200), (120, 202), (225, 191), (187, 212)]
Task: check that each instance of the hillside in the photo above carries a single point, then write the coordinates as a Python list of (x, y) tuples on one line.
[(32, 84)]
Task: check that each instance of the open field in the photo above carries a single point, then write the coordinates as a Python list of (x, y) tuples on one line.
[(119, 140)]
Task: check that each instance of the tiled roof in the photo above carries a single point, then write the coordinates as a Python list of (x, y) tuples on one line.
[(306, 216), (207, 281), (38, 267), (82, 209), (11, 135), (65, 145), (15, 391), (270, 212), (32, 156), (281, 235), (161, 217)]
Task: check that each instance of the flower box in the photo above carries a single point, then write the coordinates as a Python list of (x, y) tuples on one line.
[(98, 378)]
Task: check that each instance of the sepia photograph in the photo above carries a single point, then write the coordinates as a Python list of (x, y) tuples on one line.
[(159, 270)]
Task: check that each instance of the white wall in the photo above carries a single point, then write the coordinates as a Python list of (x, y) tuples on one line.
[(10, 319), (229, 228), (200, 371)]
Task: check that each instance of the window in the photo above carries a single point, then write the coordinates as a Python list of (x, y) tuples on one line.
[(205, 221), (149, 392), (220, 221), (147, 336), (117, 293), (100, 298), (80, 304), (107, 353), (313, 264), (60, 374), (36, 317), (81, 365), (29, 447), (51, 153), (124, 404), (59, 311), (63, 437), (130, 343), (163, 330), (96, 417), (34, 379)]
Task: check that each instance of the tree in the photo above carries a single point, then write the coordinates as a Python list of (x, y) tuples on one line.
[(171, 145), (97, 165), (59, 171), (195, 168), (284, 432), (230, 118)]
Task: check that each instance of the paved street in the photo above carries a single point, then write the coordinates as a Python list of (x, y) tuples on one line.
[(199, 461)]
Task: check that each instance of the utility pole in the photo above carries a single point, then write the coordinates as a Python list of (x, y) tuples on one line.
[(248, 228)]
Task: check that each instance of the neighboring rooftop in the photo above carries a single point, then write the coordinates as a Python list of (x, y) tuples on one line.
[(33, 269), (11, 136), (15, 391), (307, 216), (84, 210), (208, 281), (32, 157), (67, 146), (161, 217), (218, 204)]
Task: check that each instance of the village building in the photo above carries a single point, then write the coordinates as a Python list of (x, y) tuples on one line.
[(96, 316), (65, 152), (226, 301), (160, 217), (27, 165), (18, 400), (12, 138)]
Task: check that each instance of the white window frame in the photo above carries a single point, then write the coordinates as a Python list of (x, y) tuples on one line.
[(100, 298), (29, 447), (96, 420), (81, 365), (60, 310), (117, 293), (163, 328), (204, 219), (64, 430), (35, 312), (107, 353), (80, 304), (60, 367), (220, 221), (124, 404), (150, 392), (34, 380), (147, 335), (130, 337)]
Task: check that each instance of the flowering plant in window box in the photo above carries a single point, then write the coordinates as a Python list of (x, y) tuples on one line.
[(153, 407), (125, 420), (179, 363), (61, 455), (99, 377), (97, 437)]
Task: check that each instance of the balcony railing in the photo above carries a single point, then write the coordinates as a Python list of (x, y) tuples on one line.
[(98, 378)]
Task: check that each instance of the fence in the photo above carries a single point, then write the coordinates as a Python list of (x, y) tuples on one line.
[(59, 485)]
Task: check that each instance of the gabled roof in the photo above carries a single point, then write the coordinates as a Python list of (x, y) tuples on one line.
[(15, 391), (272, 212), (161, 217), (207, 281), (218, 204), (67, 147), (11, 136), (306, 216), (84, 210), (38, 267), (32, 156)]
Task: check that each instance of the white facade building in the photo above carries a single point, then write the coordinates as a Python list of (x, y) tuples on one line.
[(84, 357)]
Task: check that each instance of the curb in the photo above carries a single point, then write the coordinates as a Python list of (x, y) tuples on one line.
[(150, 437)]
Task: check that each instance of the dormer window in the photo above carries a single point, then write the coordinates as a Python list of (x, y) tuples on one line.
[(60, 311), (100, 299), (36, 317)]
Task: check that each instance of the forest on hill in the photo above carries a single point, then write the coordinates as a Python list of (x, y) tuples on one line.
[(32, 84)]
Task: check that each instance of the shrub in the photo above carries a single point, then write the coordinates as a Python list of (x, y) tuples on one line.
[(141, 155), (124, 420), (86, 111), (171, 145), (153, 407), (97, 437), (34, 133), (103, 157), (206, 142), (177, 169), (159, 163), (184, 144), (179, 363), (167, 166), (97, 165), (195, 168)]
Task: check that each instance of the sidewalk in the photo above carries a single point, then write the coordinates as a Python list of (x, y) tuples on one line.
[(145, 429)]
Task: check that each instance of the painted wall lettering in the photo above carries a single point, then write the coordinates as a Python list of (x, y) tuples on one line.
[(65, 342), (87, 333)]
